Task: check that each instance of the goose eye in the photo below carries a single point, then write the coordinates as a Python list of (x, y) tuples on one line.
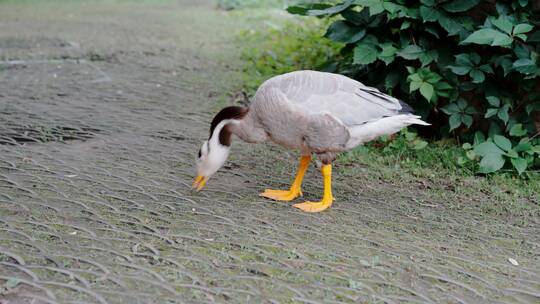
[(200, 154)]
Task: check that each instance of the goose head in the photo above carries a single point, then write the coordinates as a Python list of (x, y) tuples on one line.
[(214, 152)]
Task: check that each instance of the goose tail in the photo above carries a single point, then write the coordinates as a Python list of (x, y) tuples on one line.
[(384, 126)]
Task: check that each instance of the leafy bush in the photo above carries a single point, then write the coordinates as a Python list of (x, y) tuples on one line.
[(469, 67)]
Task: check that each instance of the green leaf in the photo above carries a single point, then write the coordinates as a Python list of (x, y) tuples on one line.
[(376, 8), (450, 25), (470, 110), (370, 39), (522, 147), (486, 148), (393, 9), (521, 36), (429, 14), (451, 108), (522, 28), (456, 6), (465, 60), (488, 36), (462, 104), (486, 68), (478, 76), (405, 25), (459, 69), (428, 2), (525, 66), (304, 9), (358, 18), (491, 112), (365, 53), (415, 85), (331, 10), (503, 23), (492, 159), (410, 69), (410, 52), (454, 121), (427, 90), (431, 77), (491, 163), (471, 155), (503, 142), (517, 130), (520, 164), (467, 120), (388, 53), (428, 57), (415, 77), (343, 31), (522, 52), (503, 113), (511, 154), (494, 101), (442, 86)]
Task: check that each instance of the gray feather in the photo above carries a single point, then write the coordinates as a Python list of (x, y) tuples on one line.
[(348, 100), (321, 113)]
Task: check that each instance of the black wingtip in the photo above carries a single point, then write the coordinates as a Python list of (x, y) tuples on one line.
[(405, 108)]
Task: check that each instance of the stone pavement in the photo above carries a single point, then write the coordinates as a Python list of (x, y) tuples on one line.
[(103, 105)]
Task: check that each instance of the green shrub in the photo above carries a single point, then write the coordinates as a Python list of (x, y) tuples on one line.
[(469, 67)]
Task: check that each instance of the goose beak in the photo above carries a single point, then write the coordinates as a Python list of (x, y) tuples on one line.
[(199, 182)]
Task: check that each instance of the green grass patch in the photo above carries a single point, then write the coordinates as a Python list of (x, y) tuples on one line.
[(284, 46)]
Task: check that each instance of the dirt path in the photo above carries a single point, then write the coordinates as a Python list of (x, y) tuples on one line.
[(111, 219)]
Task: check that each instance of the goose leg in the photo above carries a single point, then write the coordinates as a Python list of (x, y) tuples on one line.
[(294, 191), (327, 199)]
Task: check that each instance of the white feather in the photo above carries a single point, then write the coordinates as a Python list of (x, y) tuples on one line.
[(385, 126), (214, 155)]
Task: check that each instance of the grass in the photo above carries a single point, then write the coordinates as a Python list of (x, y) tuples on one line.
[(435, 169), (241, 4), (284, 45), (292, 43)]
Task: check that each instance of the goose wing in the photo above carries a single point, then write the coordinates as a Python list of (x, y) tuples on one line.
[(346, 99)]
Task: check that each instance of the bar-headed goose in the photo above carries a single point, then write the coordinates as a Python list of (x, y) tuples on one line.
[(314, 112)]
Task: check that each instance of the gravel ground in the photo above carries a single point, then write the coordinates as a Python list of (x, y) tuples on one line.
[(103, 105)]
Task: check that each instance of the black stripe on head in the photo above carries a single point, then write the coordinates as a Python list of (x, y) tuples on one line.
[(232, 112)]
